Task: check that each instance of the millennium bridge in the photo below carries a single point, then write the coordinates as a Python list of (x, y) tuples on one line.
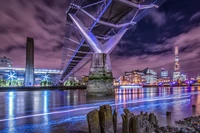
[(93, 29)]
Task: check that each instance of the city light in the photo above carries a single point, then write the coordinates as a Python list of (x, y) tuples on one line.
[(46, 77), (11, 76)]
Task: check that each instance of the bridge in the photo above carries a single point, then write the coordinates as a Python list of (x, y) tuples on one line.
[(92, 32)]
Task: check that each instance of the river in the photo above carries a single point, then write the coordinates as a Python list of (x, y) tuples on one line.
[(65, 111)]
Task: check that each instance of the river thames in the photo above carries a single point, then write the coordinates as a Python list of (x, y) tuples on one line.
[(65, 111)]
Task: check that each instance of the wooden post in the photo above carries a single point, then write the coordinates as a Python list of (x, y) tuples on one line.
[(93, 121)]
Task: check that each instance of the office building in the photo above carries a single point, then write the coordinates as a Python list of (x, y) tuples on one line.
[(182, 77), (133, 77), (150, 76), (164, 73), (5, 62)]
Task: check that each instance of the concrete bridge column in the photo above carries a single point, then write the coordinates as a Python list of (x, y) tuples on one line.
[(100, 76)]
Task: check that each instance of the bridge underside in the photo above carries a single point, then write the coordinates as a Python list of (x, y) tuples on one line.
[(104, 19)]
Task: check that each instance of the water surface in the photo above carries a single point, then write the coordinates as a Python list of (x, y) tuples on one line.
[(65, 111)]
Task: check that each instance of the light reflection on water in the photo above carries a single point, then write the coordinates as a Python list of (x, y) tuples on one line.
[(61, 111), (11, 124)]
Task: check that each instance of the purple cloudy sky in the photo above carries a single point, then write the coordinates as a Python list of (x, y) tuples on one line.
[(149, 44)]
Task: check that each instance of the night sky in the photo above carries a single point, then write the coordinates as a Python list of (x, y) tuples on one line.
[(149, 44)]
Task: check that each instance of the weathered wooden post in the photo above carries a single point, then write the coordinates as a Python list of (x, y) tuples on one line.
[(106, 119), (127, 121), (102, 121), (93, 121), (115, 121), (142, 123)]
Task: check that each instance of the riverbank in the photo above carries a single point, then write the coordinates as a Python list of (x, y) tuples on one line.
[(34, 88), (105, 120)]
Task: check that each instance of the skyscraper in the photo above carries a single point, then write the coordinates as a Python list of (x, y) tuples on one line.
[(29, 72), (176, 73)]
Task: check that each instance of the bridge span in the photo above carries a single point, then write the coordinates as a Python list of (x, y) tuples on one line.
[(92, 32)]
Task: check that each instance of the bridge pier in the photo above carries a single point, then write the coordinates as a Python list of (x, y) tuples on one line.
[(100, 77)]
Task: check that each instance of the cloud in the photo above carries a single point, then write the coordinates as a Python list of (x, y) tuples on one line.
[(158, 18), (195, 16), (42, 20), (176, 16)]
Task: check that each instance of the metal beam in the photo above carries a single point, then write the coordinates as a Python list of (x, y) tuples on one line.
[(80, 57), (82, 52), (89, 37), (78, 43), (103, 22), (132, 4), (93, 4)]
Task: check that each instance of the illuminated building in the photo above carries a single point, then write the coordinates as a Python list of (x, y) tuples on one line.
[(150, 76), (146, 76), (198, 79), (133, 77), (5, 62), (122, 80), (164, 73), (38, 74), (182, 77), (164, 78), (29, 73), (176, 73), (116, 82)]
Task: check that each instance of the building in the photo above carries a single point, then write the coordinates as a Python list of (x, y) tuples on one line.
[(5, 62), (39, 74), (133, 77), (150, 76), (146, 76), (164, 73), (176, 73), (182, 77), (164, 78), (198, 79), (29, 73)]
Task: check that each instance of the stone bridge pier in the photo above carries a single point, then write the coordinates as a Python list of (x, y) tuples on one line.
[(100, 76)]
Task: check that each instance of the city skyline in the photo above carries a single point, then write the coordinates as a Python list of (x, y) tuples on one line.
[(152, 40)]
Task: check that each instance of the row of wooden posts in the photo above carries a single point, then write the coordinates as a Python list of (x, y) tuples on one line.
[(104, 121)]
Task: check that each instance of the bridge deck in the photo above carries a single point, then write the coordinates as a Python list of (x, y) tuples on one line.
[(112, 11)]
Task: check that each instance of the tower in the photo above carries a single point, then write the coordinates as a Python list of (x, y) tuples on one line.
[(29, 72), (176, 73)]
